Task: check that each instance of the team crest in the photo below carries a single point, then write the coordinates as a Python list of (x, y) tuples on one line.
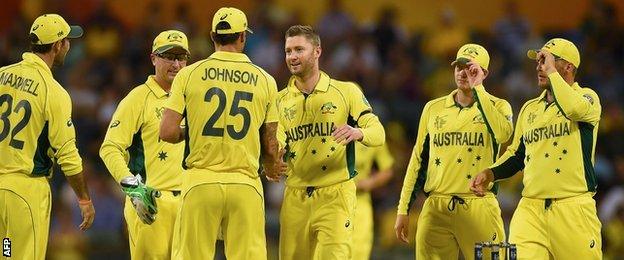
[(478, 119), (159, 111), (439, 122), (471, 52), (328, 108), (289, 113), (174, 37)]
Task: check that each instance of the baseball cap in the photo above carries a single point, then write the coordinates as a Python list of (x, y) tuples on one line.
[(50, 28), (235, 18), (168, 40), (474, 52), (562, 48)]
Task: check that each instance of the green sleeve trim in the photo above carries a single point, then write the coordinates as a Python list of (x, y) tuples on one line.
[(422, 172), (512, 165), (187, 146), (42, 163), (350, 153), (587, 146)]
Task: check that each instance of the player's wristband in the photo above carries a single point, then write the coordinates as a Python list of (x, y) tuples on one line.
[(84, 202)]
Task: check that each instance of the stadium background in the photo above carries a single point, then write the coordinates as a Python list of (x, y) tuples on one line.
[(398, 51)]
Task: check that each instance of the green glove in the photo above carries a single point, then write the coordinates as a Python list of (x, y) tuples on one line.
[(143, 198)]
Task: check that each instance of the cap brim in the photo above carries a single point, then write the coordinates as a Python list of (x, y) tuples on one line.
[(249, 30), (75, 31), (168, 47), (532, 54), (460, 60)]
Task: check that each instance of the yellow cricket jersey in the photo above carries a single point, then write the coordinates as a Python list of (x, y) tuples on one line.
[(454, 144), (367, 156), (306, 125), (225, 99), (132, 145), (554, 143), (35, 121)]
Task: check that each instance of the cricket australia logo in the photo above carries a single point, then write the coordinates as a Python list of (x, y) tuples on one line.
[(478, 119), (174, 37), (290, 112), (439, 122), (550, 44), (471, 52), (328, 108), (159, 111)]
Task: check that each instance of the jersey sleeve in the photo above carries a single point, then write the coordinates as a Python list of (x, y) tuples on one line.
[(512, 160), (177, 93), (416, 173), (581, 106), (383, 158), (125, 123), (496, 114), (362, 113), (61, 132), (271, 114)]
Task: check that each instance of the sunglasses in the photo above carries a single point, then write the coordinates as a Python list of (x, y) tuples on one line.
[(171, 57)]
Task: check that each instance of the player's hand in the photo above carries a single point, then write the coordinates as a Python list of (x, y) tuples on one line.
[(401, 227), (345, 134), (275, 170), (546, 62), (88, 214), (475, 73), (364, 185), (479, 185), (142, 197)]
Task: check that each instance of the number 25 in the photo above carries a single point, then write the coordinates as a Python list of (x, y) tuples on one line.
[(211, 130)]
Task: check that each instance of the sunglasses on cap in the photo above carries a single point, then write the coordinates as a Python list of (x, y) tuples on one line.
[(171, 57)]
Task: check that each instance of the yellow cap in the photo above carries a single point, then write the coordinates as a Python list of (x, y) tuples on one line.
[(50, 28), (562, 48), (235, 18), (474, 52), (168, 40)]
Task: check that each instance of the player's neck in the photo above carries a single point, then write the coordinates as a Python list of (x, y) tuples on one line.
[(166, 86), (464, 97), (307, 83), (48, 58), (228, 48)]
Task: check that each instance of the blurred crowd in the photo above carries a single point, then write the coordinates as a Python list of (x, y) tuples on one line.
[(399, 71)]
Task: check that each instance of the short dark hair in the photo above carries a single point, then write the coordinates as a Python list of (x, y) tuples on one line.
[(225, 39), (305, 30), (38, 48)]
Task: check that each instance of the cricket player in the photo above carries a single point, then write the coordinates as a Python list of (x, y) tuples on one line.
[(321, 118), (554, 146), (36, 130), (132, 150), (365, 182), (229, 105), (458, 135)]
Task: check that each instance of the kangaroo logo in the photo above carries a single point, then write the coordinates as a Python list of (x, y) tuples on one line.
[(174, 37)]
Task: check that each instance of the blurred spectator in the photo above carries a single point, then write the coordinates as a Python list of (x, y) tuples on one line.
[(512, 32)]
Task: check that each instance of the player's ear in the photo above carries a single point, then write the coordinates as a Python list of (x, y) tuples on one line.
[(153, 58), (317, 51), (485, 73), (242, 37)]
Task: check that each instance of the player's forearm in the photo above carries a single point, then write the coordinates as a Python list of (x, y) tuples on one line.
[(380, 178), (79, 185), (113, 158), (170, 129), (269, 143), (372, 130), (508, 165), (497, 121), (571, 102)]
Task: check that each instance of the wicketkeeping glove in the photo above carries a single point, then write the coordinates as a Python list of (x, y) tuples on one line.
[(143, 198)]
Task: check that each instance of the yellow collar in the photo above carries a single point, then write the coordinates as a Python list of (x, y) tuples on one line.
[(32, 58), (155, 88), (230, 56), (322, 85)]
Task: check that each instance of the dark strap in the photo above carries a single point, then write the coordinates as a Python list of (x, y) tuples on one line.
[(455, 199)]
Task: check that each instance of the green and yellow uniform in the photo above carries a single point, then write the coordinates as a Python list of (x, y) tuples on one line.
[(554, 147), (225, 100), (363, 223), (35, 131), (319, 200), (132, 147), (453, 144)]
